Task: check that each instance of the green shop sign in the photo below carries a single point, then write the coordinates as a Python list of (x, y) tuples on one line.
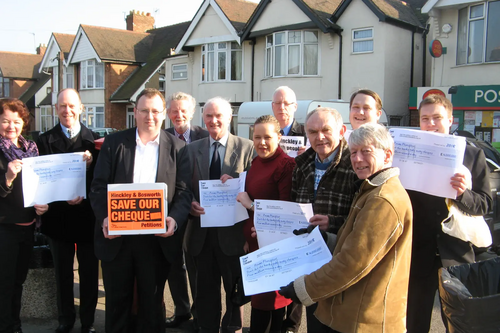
[(477, 98)]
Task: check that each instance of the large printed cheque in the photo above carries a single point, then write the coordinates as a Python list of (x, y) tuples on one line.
[(276, 265), (52, 178), (275, 220), (428, 160), (219, 202)]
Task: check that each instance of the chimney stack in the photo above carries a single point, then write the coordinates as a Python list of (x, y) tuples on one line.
[(139, 22), (41, 49)]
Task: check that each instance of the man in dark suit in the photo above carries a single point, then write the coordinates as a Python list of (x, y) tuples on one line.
[(180, 110), (284, 106), (216, 250), (72, 222), (145, 154), (432, 248)]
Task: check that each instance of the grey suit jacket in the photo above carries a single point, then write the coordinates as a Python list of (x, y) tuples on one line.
[(196, 132), (239, 155)]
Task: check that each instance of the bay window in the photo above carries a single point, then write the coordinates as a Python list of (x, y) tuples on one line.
[(292, 53), (93, 116), (221, 62), (92, 74)]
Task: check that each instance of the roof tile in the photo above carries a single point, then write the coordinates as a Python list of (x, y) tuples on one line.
[(19, 65)]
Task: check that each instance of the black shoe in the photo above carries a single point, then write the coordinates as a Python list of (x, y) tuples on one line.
[(89, 329), (175, 321), (64, 328)]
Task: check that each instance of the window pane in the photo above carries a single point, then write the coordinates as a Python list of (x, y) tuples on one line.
[(293, 59), (294, 36), (462, 37), (211, 47), (269, 62), (236, 65), (83, 74), (493, 37), (476, 11), (279, 61), (235, 46), (368, 33), (99, 75), (269, 40), (363, 46), (311, 37), (210, 69), (222, 46), (182, 67), (279, 38), (311, 59), (476, 30), (90, 76), (203, 68), (221, 65), (99, 117)]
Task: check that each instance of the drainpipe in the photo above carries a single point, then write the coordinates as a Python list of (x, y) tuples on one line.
[(424, 53), (252, 42), (340, 64), (412, 56)]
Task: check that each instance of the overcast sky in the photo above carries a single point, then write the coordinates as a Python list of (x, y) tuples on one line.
[(28, 23)]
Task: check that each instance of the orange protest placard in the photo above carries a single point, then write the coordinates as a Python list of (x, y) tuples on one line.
[(137, 209)]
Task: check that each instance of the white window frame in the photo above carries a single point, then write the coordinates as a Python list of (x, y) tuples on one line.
[(180, 69), (93, 66), (213, 52), (47, 113), (365, 39), (161, 82), (90, 113), (462, 51), (270, 53), (69, 76)]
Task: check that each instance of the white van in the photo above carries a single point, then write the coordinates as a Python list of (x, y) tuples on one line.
[(250, 111)]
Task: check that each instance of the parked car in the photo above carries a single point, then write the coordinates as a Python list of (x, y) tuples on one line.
[(104, 131)]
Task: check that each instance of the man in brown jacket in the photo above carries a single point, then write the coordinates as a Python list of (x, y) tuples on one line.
[(364, 287)]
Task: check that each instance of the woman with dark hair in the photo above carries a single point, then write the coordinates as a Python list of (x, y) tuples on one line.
[(16, 222), (269, 178)]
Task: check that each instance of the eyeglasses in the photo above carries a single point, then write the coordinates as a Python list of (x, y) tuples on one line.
[(146, 112), (286, 104)]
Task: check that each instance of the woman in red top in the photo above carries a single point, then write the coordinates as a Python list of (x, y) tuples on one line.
[(269, 178)]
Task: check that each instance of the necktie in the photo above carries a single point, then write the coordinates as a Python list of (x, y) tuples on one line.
[(282, 132), (215, 171), (69, 133), (182, 137)]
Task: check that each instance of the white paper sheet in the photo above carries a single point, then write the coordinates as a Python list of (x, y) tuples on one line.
[(291, 144), (428, 160), (278, 264), (275, 220), (219, 202), (243, 178), (52, 178)]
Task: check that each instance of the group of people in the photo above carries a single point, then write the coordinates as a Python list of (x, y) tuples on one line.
[(387, 243)]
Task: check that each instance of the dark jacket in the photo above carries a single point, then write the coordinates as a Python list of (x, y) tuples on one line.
[(116, 166), (429, 211), (335, 190), (196, 132), (11, 199), (72, 223), (297, 130)]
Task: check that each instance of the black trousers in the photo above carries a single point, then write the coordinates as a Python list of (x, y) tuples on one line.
[(140, 258), (266, 321), (63, 254), (313, 324), (211, 265), (16, 247)]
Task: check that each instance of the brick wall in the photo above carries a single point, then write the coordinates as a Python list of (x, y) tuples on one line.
[(116, 113)]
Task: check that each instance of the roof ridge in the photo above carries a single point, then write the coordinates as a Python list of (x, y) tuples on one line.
[(21, 53), (113, 29)]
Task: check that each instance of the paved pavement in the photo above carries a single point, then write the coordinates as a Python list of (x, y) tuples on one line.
[(31, 325)]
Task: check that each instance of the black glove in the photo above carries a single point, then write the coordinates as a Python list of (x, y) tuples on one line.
[(308, 231), (289, 292)]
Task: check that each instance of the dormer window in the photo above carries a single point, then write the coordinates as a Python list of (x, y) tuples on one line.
[(92, 74), (292, 53)]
